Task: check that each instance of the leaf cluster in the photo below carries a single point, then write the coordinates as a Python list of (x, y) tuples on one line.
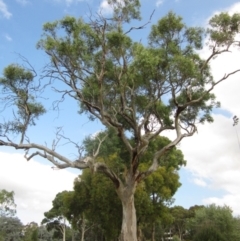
[(7, 204), (224, 28), (19, 91)]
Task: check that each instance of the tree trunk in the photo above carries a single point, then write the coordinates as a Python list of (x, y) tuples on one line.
[(180, 233), (139, 234), (129, 223), (129, 220), (73, 234), (153, 231), (83, 229), (64, 229)]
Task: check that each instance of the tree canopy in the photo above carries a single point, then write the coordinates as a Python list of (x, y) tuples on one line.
[(7, 204), (10, 228), (214, 223)]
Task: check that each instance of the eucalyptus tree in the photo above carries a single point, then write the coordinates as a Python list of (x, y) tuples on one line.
[(30, 232), (44, 234), (68, 207), (55, 218), (93, 206), (11, 228), (214, 223), (7, 204), (139, 90), (180, 221)]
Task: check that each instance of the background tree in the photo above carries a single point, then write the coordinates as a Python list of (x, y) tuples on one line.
[(44, 234), (153, 213), (103, 214), (214, 223), (55, 219), (7, 204), (178, 225), (30, 232), (180, 221), (236, 232), (139, 91), (11, 228)]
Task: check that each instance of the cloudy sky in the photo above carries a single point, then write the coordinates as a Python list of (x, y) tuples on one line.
[(212, 174)]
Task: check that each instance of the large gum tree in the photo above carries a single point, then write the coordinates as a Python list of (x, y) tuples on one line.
[(139, 90)]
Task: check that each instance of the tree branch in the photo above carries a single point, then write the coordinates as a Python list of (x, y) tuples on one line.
[(142, 26)]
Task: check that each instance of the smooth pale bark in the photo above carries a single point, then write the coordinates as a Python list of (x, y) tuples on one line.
[(129, 219), (64, 235), (73, 234), (153, 231), (139, 234), (83, 230), (64, 230)]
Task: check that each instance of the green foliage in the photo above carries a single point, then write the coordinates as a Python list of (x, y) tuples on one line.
[(10, 228), (95, 199), (112, 151), (125, 10), (44, 234), (55, 218), (180, 220), (31, 232), (171, 30), (214, 223), (236, 230), (187, 71), (224, 28), (19, 89), (80, 41), (209, 233), (104, 206), (147, 74), (176, 238), (114, 154), (172, 160), (7, 205)]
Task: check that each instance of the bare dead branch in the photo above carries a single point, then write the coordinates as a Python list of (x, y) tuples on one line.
[(142, 26), (99, 145)]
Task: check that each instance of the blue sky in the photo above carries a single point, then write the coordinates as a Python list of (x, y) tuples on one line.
[(213, 169)]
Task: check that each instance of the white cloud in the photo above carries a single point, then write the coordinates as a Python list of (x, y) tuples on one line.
[(7, 37), (213, 156), (235, 8), (105, 8), (231, 10), (159, 2), (199, 182), (229, 200), (35, 185), (4, 10)]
